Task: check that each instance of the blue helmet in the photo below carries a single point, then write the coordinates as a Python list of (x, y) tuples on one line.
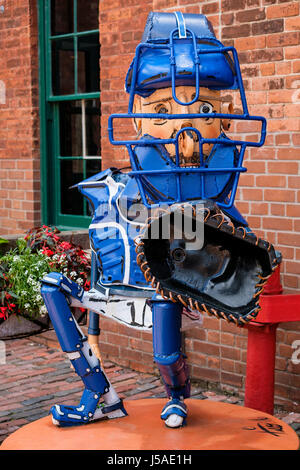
[(169, 55), (181, 49)]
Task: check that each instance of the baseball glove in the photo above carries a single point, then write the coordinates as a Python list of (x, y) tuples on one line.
[(213, 266)]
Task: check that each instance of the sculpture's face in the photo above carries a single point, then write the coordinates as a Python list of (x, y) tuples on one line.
[(162, 102)]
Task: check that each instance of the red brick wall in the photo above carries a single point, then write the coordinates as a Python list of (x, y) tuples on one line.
[(266, 35), (19, 123)]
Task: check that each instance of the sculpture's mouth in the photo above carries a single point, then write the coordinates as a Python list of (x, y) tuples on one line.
[(193, 161)]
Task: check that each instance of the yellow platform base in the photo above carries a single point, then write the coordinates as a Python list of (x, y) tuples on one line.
[(210, 426)]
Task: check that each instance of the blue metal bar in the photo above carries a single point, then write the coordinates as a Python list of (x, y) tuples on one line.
[(94, 320), (241, 117), (173, 68), (162, 116), (188, 170), (236, 180), (240, 82)]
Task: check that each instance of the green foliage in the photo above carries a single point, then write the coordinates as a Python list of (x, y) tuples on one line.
[(22, 268)]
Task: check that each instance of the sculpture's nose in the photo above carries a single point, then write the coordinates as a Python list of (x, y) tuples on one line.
[(186, 142)]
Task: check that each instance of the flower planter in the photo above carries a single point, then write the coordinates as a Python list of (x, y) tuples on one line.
[(17, 326), (21, 269)]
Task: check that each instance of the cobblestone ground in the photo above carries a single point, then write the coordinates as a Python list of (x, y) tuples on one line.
[(35, 377)]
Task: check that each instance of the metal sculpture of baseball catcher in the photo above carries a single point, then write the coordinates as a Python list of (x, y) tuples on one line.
[(185, 172)]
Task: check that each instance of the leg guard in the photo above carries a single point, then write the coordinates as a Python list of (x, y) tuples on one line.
[(175, 376), (56, 290), (167, 348), (170, 360)]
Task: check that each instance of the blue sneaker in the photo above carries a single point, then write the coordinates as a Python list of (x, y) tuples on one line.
[(88, 410), (174, 413)]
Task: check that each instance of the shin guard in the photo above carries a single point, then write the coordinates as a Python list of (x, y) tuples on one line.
[(167, 348), (56, 291)]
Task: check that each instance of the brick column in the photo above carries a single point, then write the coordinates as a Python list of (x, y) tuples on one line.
[(19, 121)]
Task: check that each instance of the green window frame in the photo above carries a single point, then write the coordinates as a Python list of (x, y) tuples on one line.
[(62, 93)]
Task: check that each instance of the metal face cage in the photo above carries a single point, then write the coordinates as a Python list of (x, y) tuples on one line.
[(202, 55)]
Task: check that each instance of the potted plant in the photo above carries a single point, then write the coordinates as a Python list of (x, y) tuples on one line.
[(22, 310)]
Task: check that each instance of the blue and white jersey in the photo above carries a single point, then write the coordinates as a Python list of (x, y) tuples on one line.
[(111, 232)]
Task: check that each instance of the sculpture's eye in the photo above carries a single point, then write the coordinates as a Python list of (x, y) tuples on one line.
[(161, 109), (206, 108)]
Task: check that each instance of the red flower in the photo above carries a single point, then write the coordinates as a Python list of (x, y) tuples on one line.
[(46, 251), (3, 312), (65, 246)]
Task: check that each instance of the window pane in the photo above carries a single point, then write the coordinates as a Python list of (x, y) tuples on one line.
[(61, 17), (71, 172), (63, 66), (88, 63), (92, 167), (87, 15), (70, 125), (92, 119)]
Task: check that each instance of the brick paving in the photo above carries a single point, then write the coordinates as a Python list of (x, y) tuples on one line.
[(37, 376)]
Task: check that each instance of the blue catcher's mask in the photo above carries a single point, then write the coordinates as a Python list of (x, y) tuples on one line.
[(181, 50)]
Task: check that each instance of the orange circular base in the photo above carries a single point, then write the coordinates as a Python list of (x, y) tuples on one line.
[(210, 426)]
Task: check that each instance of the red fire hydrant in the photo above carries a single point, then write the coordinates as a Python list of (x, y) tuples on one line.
[(260, 372)]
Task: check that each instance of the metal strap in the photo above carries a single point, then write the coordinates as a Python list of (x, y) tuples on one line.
[(180, 24)]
